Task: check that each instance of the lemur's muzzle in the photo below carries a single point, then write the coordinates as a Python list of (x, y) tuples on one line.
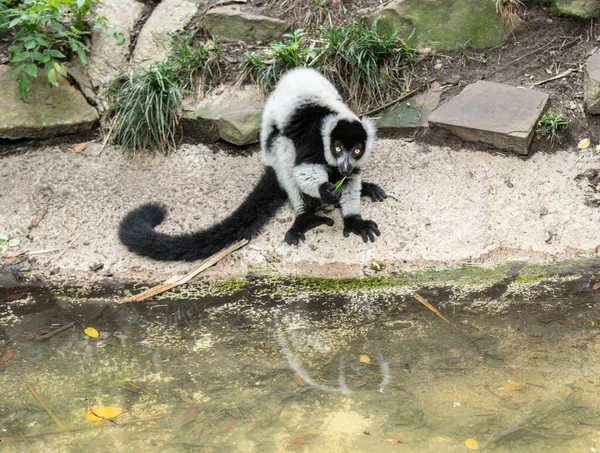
[(345, 165)]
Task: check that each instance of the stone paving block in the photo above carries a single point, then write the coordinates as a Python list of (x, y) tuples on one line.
[(500, 115), (413, 112), (591, 84), (49, 111), (233, 115)]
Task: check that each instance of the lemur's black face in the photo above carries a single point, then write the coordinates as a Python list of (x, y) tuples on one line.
[(348, 141)]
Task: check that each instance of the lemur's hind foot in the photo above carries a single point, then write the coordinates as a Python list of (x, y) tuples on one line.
[(302, 224), (373, 191)]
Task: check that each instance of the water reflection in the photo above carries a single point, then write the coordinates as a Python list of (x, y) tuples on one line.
[(359, 372)]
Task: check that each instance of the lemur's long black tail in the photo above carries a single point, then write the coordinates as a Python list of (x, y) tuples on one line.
[(137, 227)]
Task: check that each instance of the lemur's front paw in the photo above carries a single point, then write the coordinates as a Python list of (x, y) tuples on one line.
[(293, 236), (373, 191), (367, 229), (329, 193), (302, 224)]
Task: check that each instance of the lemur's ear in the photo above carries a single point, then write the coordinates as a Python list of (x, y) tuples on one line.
[(371, 131)]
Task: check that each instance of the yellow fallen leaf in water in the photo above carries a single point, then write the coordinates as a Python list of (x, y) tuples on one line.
[(299, 380), (514, 386), (364, 358), (91, 332), (472, 444), (583, 144), (103, 412)]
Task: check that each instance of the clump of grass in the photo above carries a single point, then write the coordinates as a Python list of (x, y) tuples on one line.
[(145, 105), (266, 68), (367, 65), (195, 62), (508, 8), (145, 109), (550, 123)]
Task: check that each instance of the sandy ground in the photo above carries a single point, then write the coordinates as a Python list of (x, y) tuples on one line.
[(447, 208)]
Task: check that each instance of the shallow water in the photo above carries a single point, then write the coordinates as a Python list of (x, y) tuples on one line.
[(256, 374)]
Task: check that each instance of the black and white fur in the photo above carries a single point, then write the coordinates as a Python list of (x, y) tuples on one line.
[(309, 140)]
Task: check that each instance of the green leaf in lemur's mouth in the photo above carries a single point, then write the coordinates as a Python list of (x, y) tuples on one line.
[(340, 182)]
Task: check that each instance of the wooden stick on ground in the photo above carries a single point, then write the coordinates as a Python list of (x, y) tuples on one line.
[(178, 280), (46, 408), (559, 76), (435, 310)]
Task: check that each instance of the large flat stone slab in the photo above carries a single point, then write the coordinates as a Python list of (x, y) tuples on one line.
[(500, 115), (48, 111)]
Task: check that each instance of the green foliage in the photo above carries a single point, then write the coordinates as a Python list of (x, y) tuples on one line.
[(194, 61), (7, 243), (145, 106), (365, 63), (48, 32), (551, 123), (265, 69)]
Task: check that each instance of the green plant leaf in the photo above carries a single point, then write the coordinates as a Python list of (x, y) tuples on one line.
[(17, 70), (56, 53), (82, 57), (31, 69), (340, 182), (21, 56), (52, 77), (3, 237), (42, 42), (13, 242), (24, 85), (60, 69), (37, 56), (30, 44)]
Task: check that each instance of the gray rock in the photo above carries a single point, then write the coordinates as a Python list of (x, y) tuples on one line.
[(591, 84), (501, 115), (413, 112), (107, 59), (167, 19), (586, 9), (233, 116), (49, 111), (444, 24), (231, 24)]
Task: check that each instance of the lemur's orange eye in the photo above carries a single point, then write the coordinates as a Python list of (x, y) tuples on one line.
[(338, 149), (357, 151)]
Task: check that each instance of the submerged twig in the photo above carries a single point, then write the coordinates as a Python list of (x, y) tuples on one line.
[(79, 428), (435, 310), (54, 332), (46, 408)]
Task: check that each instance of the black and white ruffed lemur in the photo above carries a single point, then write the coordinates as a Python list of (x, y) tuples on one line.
[(309, 139)]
